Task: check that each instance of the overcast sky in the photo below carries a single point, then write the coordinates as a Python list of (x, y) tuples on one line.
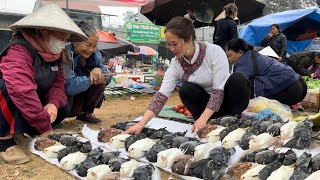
[(26, 6), (119, 11), (17, 6)]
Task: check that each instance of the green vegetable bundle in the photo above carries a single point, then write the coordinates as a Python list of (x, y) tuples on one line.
[(311, 82)]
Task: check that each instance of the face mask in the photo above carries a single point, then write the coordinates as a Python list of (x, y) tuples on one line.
[(55, 45)]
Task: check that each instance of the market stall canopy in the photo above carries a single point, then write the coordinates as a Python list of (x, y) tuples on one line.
[(161, 12), (295, 24), (111, 45), (144, 50), (106, 37), (93, 5)]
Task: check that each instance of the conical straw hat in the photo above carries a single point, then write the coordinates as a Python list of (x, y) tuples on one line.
[(51, 17)]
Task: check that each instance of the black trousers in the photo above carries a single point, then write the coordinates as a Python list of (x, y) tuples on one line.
[(86, 101), (11, 119), (236, 97), (293, 94)]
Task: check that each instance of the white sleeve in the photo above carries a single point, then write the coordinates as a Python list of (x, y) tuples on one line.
[(220, 67), (170, 79)]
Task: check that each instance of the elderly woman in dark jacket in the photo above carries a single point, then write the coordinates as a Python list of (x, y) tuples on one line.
[(277, 41), (87, 77), (269, 78), (301, 61)]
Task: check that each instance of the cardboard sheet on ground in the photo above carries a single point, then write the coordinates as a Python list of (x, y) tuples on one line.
[(168, 113)]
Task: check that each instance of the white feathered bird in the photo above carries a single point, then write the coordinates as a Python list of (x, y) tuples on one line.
[(252, 173), (98, 172), (287, 130), (203, 150), (140, 148), (127, 168), (314, 176), (283, 173), (166, 157), (261, 141), (232, 139), (71, 161), (118, 140), (213, 136), (52, 151)]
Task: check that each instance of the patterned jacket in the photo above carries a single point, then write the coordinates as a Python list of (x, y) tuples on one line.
[(302, 61)]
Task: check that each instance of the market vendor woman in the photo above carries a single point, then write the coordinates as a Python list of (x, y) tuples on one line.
[(208, 90), (269, 78), (32, 84)]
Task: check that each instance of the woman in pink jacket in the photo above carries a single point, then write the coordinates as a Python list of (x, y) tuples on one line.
[(32, 96)]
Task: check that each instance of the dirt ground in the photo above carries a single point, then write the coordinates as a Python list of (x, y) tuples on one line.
[(112, 111)]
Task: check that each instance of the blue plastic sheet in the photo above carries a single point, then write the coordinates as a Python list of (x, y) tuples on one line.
[(265, 114), (255, 31)]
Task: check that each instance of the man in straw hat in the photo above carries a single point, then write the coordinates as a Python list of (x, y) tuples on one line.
[(32, 92)]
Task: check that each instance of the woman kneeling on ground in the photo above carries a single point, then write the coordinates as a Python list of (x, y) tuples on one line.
[(32, 84), (208, 90), (269, 78)]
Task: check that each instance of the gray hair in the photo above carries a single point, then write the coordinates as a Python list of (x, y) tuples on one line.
[(87, 29)]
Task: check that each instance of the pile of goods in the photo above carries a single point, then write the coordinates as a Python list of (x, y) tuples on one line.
[(121, 91), (180, 108), (311, 101), (312, 83), (268, 146)]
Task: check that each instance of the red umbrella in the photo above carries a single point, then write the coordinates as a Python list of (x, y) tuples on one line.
[(145, 50), (111, 45), (107, 37)]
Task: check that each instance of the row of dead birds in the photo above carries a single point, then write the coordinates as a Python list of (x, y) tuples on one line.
[(253, 134), (188, 156), (183, 155), (94, 164)]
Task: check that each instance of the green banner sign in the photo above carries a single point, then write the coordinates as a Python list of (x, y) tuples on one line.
[(142, 33)]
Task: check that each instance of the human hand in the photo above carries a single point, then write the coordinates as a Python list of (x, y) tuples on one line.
[(200, 123), (52, 111), (313, 75), (103, 79), (280, 59), (136, 129), (96, 75), (269, 35)]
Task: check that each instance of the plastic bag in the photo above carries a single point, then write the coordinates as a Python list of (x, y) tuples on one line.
[(264, 114), (136, 86), (260, 103), (112, 84)]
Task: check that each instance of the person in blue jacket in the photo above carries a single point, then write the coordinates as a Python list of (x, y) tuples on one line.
[(269, 78), (86, 77)]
